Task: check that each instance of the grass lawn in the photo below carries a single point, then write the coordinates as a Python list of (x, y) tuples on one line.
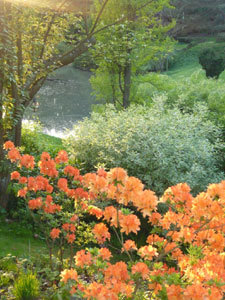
[(19, 241)]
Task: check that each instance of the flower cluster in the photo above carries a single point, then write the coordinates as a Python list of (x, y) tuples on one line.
[(183, 256)]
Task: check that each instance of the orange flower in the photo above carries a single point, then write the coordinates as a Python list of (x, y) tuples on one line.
[(66, 226), (217, 241), (188, 234), (45, 156), (23, 180), (35, 203), (154, 238), (155, 218), (49, 207), (14, 155), (110, 215), (129, 245), (71, 171), (117, 175), (141, 268), (62, 157), (102, 172), (129, 223), (132, 188), (77, 175), (112, 191), (169, 218), (62, 184), (147, 252), (216, 190), (96, 212), (170, 246), (27, 161), (31, 183), (69, 274), (72, 228), (105, 253), (116, 273), (99, 185), (196, 292), (80, 194), (82, 258), (214, 293), (101, 232), (49, 188), (49, 199), (8, 145), (70, 238), (48, 167), (22, 192), (55, 233), (89, 179), (146, 202), (179, 195), (74, 218), (98, 291), (174, 292), (15, 175)]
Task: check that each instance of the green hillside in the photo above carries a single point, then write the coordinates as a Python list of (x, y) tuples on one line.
[(185, 60)]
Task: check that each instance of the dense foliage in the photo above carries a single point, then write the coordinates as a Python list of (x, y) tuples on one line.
[(185, 93), (212, 61), (160, 147)]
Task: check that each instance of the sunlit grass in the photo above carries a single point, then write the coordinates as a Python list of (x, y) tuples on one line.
[(186, 60)]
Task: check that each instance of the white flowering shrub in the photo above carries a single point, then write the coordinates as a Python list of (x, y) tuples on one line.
[(160, 147)]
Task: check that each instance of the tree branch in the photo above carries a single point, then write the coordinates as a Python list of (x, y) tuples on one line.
[(20, 56), (49, 27), (47, 34), (99, 16)]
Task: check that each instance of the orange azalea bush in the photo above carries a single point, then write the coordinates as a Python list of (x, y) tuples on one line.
[(183, 257)]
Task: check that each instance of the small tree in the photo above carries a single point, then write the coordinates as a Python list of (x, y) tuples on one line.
[(121, 50)]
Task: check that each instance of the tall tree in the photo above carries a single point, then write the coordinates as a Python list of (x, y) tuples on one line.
[(123, 48)]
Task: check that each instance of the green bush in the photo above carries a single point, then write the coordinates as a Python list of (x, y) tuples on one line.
[(160, 147), (26, 287), (212, 61)]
